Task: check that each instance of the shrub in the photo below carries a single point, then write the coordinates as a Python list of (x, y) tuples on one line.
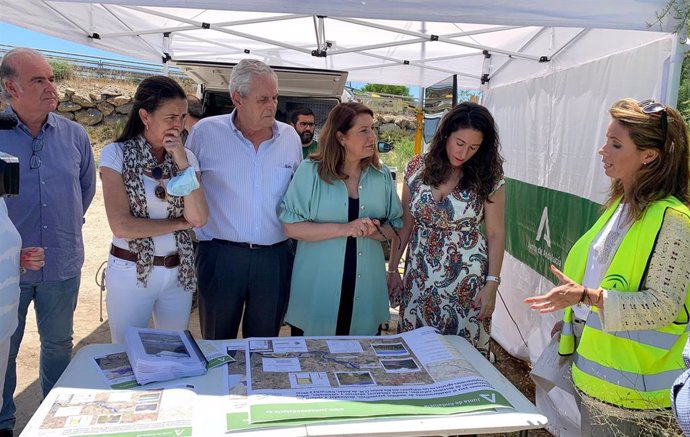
[(61, 69), (403, 149)]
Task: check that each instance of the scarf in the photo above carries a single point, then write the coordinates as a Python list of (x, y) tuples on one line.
[(137, 157)]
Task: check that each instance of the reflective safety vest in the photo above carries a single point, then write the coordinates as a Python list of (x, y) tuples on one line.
[(631, 369)]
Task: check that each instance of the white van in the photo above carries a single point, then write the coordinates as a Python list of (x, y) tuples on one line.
[(318, 90)]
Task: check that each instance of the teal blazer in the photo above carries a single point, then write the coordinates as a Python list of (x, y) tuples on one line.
[(318, 269)]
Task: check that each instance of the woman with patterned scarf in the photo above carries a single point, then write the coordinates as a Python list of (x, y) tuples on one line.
[(152, 200)]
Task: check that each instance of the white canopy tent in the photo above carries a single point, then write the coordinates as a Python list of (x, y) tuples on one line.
[(549, 71), (403, 42)]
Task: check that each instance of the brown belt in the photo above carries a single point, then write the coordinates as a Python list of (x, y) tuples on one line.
[(169, 261)]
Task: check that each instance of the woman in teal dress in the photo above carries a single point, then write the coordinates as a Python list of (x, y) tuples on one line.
[(340, 205)]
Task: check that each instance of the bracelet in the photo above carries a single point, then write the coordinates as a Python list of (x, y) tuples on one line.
[(392, 271), (596, 302), (584, 295), (492, 278)]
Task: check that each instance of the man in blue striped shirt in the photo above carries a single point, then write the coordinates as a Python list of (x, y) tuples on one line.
[(244, 259), (58, 182)]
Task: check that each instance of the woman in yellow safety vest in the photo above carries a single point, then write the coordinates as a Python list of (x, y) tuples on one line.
[(632, 268)]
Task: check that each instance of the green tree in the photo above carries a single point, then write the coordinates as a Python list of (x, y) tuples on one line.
[(397, 90)]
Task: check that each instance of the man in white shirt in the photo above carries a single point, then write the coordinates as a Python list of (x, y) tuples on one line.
[(247, 158)]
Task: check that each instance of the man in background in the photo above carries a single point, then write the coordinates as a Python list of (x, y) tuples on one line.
[(244, 259), (195, 112), (303, 120), (57, 184)]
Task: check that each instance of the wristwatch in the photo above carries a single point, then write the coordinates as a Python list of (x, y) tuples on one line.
[(496, 279)]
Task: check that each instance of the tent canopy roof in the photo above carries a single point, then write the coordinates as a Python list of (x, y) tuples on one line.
[(404, 42)]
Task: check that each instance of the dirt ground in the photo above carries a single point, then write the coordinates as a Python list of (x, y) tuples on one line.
[(88, 329)]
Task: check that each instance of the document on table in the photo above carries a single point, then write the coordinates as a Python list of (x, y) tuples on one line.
[(82, 412), (115, 370), (414, 373)]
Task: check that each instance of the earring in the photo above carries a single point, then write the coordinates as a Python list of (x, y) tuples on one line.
[(147, 126), (644, 163)]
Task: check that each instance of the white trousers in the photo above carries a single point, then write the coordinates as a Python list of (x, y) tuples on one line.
[(129, 305)]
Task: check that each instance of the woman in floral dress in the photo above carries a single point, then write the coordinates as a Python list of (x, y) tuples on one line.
[(453, 267)]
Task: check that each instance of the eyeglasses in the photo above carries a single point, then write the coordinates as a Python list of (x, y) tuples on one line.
[(305, 124), (157, 174), (650, 107), (35, 160)]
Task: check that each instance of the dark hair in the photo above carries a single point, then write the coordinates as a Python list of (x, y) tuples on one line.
[(667, 174), (194, 107), (331, 155), (482, 172), (151, 93), (302, 110)]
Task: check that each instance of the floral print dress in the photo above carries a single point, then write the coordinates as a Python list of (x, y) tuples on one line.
[(447, 262)]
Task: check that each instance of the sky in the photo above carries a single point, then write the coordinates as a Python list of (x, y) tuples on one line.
[(18, 36)]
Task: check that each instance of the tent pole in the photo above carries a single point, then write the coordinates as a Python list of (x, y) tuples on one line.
[(166, 53), (678, 48)]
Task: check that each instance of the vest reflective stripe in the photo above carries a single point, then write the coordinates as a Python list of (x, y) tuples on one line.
[(653, 338), (629, 380), (567, 329)]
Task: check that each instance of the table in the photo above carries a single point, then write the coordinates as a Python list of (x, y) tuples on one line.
[(209, 419)]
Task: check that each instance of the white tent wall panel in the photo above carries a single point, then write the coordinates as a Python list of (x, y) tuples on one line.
[(585, 48), (552, 127)]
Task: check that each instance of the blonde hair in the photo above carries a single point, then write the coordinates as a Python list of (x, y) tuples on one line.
[(667, 175)]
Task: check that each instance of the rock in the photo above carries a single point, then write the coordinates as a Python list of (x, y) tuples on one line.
[(110, 92), (115, 118), (69, 92), (67, 115), (388, 127), (95, 98), (63, 98), (118, 101), (88, 117), (83, 101), (68, 106), (105, 108), (388, 119), (124, 109)]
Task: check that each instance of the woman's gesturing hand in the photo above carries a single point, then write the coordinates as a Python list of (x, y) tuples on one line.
[(565, 294)]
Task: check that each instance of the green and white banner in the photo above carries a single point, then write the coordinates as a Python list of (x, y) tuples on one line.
[(542, 224)]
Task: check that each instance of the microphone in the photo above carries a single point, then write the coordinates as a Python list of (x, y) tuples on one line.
[(7, 120)]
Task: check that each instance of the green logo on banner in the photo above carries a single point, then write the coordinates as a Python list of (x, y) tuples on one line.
[(542, 224)]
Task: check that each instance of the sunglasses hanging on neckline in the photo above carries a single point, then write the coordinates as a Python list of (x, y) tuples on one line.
[(157, 174)]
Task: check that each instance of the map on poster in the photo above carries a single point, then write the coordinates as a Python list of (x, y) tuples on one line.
[(127, 413), (414, 373)]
